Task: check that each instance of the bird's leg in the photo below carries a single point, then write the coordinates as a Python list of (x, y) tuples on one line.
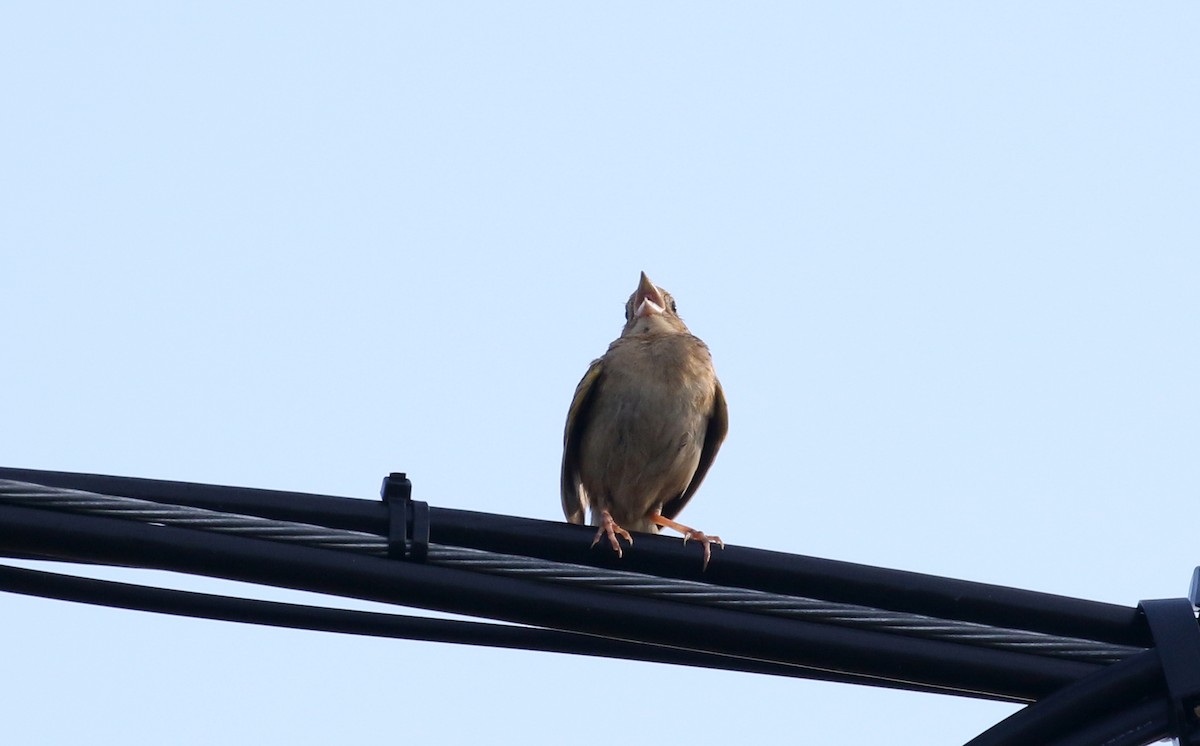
[(611, 528), (690, 533)]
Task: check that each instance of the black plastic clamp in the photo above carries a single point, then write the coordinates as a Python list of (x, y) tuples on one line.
[(408, 519), (1176, 636)]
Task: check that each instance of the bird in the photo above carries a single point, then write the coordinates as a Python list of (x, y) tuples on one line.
[(644, 426)]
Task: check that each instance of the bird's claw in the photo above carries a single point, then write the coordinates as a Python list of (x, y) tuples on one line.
[(704, 539), (612, 529), (689, 533)]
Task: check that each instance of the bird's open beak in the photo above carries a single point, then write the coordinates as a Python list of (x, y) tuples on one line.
[(648, 300)]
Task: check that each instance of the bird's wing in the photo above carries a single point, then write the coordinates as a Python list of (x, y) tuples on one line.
[(575, 505), (718, 426)]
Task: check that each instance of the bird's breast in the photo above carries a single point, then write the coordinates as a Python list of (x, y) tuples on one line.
[(647, 425)]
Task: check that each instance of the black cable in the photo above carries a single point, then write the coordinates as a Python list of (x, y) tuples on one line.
[(1138, 724), (735, 566), (1079, 705), (905, 662), (119, 595), (1115, 705), (620, 581)]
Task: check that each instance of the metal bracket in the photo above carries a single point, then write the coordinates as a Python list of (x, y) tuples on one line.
[(1176, 634), (408, 519)]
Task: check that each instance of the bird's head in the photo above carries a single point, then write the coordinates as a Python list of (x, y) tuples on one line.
[(651, 310)]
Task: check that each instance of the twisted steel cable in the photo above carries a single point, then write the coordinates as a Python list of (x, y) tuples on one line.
[(795, 607), (147, 511), (618, 581)]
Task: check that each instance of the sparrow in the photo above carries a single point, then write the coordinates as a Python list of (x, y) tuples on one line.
[(644, 427)]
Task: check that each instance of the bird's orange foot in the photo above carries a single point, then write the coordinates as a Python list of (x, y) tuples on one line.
[(612, 529), (689, 534)]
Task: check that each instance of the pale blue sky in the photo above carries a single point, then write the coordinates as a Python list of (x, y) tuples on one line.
[(945, 256)]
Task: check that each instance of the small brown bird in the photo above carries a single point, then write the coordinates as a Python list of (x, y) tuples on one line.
[(644, 426)]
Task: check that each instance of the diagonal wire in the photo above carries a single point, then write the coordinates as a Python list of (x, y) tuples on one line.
[(147, 511), (618, 581), (794, 607)]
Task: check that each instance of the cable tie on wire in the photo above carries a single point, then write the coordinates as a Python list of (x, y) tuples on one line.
[(408, 519)]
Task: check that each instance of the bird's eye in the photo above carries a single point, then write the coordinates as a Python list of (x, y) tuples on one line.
[(673, 306)]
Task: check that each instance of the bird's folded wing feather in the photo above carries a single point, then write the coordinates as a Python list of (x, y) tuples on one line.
[(718, 426), (574, 505)]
